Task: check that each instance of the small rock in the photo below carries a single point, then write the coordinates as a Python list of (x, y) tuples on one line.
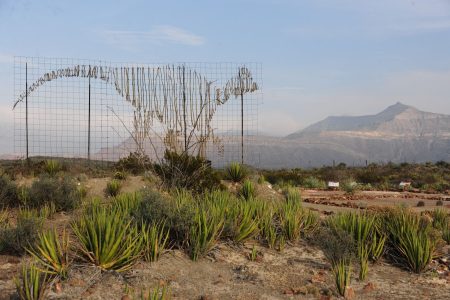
[(369, 287), (126, 297), (58, 288), (349, 293)]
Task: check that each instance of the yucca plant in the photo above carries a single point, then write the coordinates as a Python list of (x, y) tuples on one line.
[(52, 253), (157, 293), (155, 239), (52, 167), (108, 240), (253, 254), (446, 234), (236, 172), (292, 194), (363, 256), (291, 220), (128, 202), (247, 191), (341, 272), (203, 234), (410, 238), (48, 210), (113, 188), (310, 220), (268, 229), (242, 223), (32, 284)]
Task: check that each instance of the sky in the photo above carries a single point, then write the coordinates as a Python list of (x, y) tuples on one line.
[(319, 58)]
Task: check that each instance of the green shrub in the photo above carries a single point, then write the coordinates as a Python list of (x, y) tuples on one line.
[(14, 240), (113, 188), (410, 239), (439, 203), (247, 191), (182, 171), (32, 285), (313, 183), (52, 253), (135, 163), (52, 167), (8, 192), (420, 203), (108, 239), (261, 179), (178, 216), (61, 191), (349, 187), (236, 172)]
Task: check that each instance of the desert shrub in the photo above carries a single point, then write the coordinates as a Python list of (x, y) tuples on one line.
[(52, 253), (135, 163), (204, 233), (108, 239), (120, 175), (4, 215), (183, 171), (439, 203), (261, 179), (113, 188), (155, 237), (248, 190), (61, 191), (410, 239), (420, 203), (52, 167), (82, 191), (349, 186), (440, 218), (47, 211), (236, 172), (313, 183), (14, 240), (177, 214), (8, 192), (32, 284), (292, 194)]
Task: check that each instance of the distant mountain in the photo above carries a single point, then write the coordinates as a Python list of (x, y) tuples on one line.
[(399, 133)]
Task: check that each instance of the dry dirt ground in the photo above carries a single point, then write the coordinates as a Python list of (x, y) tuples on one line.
[(300, 271)]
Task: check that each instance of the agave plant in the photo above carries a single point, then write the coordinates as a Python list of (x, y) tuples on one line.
[(291, 220), (248, 190), (108, 240), (235, 172), (155, 238), (52, 253), (32, 285)]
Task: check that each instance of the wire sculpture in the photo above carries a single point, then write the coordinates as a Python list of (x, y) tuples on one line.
[(178, 99)]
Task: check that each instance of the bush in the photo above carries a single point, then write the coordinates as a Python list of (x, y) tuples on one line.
[(420, 203), (14, 240), (119, 175), (112, 188), (62, 192), (182, 171), (439, 203), (8, 192), (108, 240), (236, 172), (135, 163), (313, 183)]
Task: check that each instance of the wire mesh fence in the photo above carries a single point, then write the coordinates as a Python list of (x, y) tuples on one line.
[(100, 110)]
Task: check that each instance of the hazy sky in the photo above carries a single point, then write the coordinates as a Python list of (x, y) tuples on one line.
[(319, 57)]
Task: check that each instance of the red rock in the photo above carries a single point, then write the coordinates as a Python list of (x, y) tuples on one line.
[(349, 293), (369, 287)]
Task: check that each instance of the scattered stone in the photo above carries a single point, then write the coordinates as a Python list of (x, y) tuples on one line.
[(349, 293), (369, 287)]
